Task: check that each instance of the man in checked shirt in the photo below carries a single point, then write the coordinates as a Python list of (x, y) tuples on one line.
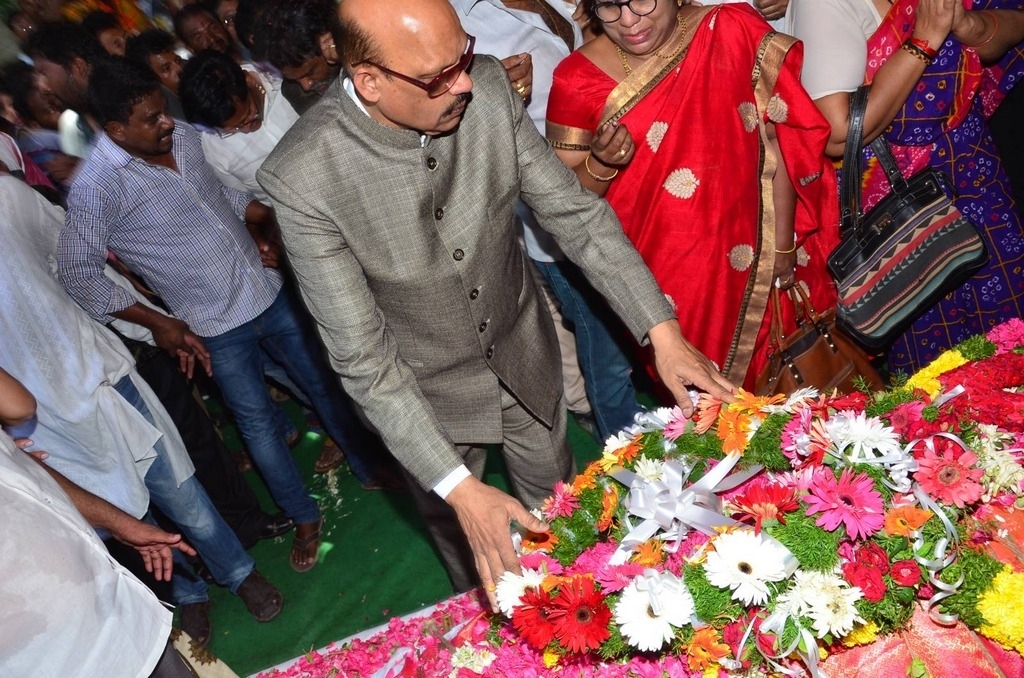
[(211, 252)]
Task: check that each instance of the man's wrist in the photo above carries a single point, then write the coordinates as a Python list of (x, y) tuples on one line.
[(448, 483)]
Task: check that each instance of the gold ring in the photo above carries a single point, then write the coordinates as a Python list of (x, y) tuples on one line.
[(492, 589), (622, 152), (522, 90)]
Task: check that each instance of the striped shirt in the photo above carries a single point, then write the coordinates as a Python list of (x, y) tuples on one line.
[(185, 234)]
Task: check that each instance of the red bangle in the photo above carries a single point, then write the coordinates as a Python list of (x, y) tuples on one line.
[(923, 45)]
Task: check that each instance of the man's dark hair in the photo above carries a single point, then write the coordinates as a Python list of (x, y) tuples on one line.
[(96, 22), (187, 12), (355, 44), (251, 17), (139, 48), (62, 41), (116, 86), (210, 83), (290, 31)]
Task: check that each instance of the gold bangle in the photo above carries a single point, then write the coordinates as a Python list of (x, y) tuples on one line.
[(595, 177), (995, 29), (789, 251)]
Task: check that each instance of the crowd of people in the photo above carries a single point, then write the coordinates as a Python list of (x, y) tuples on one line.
[(440, 226)]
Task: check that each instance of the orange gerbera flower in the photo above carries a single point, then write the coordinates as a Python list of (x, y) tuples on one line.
[(650, 553), (539, 541), (609, 502), (707, 413), (901, 521), (733, 427), (752, 404), (705, 648), (630, 451), (586, 480)]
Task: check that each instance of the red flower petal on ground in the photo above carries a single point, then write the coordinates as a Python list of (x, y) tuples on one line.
[(580, 616), (532, 618)]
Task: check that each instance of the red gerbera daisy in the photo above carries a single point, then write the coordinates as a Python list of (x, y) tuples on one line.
[(764, 502), (580, 615), (532, 618)]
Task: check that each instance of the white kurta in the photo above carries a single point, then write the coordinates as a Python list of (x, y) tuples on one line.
[(70, 364), (69, 609)]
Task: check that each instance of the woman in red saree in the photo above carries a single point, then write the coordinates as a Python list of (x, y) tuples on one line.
[(662, 115)]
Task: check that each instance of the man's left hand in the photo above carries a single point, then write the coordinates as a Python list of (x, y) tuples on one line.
[(270, 253), (485, 513), (153, 544), (772, 9), (680, 364)]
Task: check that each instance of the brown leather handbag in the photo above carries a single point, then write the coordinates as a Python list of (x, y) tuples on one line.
[(815, 354)]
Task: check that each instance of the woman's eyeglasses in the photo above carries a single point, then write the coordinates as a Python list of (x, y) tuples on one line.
[(609, 12)]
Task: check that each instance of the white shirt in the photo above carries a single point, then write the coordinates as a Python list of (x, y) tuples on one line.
[(236, 157), (69, 609), (502, 32), (70, 364), (777, 24), (835, 34)]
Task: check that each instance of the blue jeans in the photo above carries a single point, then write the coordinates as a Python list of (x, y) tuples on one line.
[(238, 364), (605, 367), (191, 509)]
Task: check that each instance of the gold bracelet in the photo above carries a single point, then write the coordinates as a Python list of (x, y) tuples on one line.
[(789, 251), (586, 166), (995, 29)]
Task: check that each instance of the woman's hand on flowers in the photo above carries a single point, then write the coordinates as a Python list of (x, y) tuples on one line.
[(613, 146)]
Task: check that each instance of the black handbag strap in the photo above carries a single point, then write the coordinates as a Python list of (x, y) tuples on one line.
[(888, 162), (849, 189)]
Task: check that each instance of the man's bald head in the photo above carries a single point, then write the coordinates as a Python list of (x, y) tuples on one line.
[(368, 28)]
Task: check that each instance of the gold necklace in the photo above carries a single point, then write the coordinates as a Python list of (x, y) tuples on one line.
[(681, 29)]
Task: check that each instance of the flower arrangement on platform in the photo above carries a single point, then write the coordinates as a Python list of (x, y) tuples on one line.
[(766, 534)]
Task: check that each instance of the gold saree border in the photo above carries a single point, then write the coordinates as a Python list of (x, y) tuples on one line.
[(569, 138), (770, 56), (638, 84)]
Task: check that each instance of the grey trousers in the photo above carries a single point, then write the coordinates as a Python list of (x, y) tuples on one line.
[(536, 458)]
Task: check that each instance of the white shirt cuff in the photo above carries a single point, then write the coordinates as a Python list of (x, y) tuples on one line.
[(449, 482)]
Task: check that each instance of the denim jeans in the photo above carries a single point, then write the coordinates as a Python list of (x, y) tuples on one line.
[(191, 509), (238, 365), (606, 370)]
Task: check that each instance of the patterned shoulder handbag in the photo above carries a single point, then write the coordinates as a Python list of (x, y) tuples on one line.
[(906, 253)]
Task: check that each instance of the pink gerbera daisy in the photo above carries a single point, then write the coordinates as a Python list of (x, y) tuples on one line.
[(677, 426), (950, 479), (561, 504), (851, 500)]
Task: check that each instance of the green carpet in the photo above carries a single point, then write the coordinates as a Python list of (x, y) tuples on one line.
[(376, 562)]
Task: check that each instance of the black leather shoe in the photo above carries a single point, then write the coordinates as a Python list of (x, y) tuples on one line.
[(195, 621), (262, 598), (276, 525)]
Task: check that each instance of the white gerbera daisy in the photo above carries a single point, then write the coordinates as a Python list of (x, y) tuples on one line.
[(650, 607), (808, 587), (833, 611), (858, 437), (617, 441), (798, 397), (744, 562), (511, 587), (650, 470)]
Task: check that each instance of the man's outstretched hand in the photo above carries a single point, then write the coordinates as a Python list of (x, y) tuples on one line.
[(485, 514), (680, 364)]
